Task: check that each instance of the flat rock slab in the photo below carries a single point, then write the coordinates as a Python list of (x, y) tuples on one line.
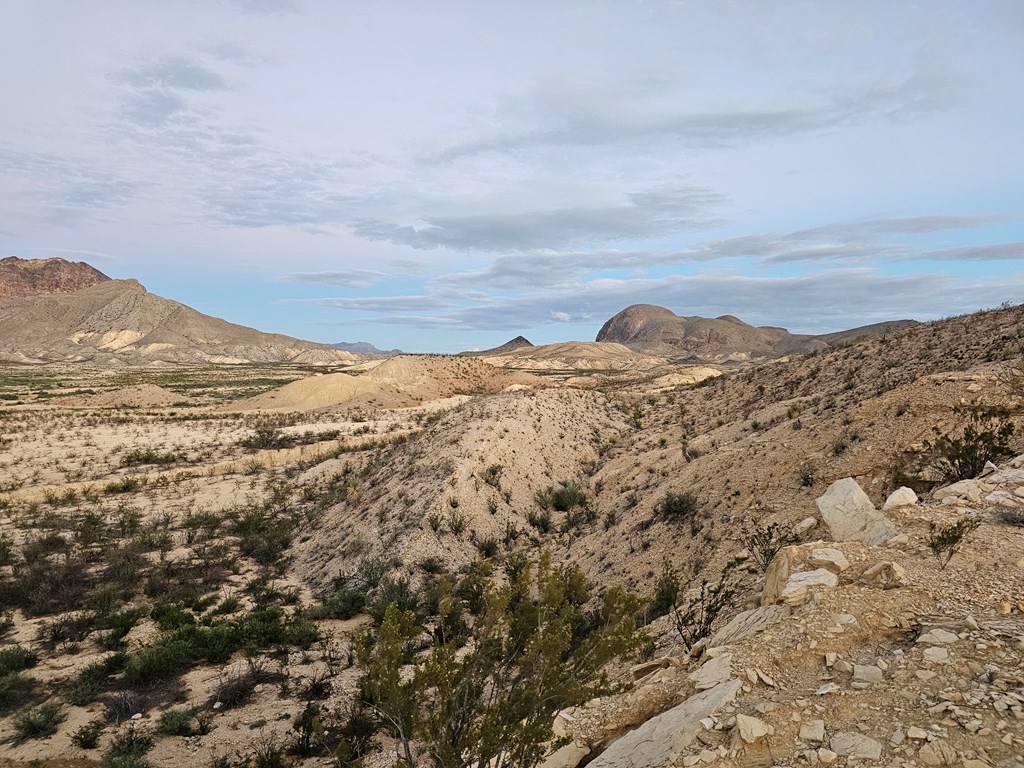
[(850, 515), (661, 740), (800, 585), (849, 744), (748, 623), (712, 672)]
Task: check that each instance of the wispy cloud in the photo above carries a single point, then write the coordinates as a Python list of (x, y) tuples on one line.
[(653, 213), (350, 278)]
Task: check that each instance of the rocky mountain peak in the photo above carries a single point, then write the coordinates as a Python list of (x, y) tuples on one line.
[(33, 277)]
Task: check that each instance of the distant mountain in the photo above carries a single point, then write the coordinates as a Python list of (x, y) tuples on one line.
[(33, 277), (519, 342), (365, 348), (656, 330), (119, 322)]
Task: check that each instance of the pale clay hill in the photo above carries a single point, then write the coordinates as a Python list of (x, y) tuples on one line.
[(658, 331), (119, 322), (851, 648), (32, 277)]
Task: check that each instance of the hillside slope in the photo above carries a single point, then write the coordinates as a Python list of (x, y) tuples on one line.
[(119, 321)]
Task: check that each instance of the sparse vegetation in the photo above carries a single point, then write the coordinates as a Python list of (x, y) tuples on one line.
[(946, 540)]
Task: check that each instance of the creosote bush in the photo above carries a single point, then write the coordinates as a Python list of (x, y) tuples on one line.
[(945, 540), (536, 649)]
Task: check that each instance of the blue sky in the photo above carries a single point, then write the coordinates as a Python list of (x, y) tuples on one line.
[(444, 176)]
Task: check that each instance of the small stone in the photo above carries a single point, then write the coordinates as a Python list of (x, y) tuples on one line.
[(857, 745), (886, 574), (936, 655), (752, 729), (1003, 608), (799, 585), (827, 756), (937, 753), (813, 730), (805, 526), (827, 557), (901, 497), (867, 674), (843, 666), (937, 636), (913, 732), (924, 675), (826, 689), (831, 658), (898, 737)]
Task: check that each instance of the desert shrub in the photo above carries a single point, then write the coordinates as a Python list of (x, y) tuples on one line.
[(536, 651), (94, 678), (341, 603), (40, 722), (567, 496), (397, 591), (125, 485), (946, 540), (14, 658), (678, 507), (695, 619), (355, 736), (169, 616), (488, 547), (16, 689), (764, 542), (128, 750), (666, 593), (120, 706), (182, 721), (541, 520), (88, 735), (985, 438), (1011, 376), (492, 475), (148, 456)]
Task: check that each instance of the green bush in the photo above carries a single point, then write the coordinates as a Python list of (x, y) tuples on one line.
[(40, 722), (15, 690), (182, 721), (679, 507), (14, 658), (88, 736), (985, 438), (128, 751)]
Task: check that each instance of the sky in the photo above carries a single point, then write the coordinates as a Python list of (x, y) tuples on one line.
[(447, 175)]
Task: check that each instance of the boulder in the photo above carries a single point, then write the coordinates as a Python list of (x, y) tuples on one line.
[(826, 557), (800, 585), (663, 738), (901, 497), (857, 745), (776, 576), (568, 756), (850, 515)]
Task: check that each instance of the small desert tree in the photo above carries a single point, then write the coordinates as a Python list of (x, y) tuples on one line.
[(534, 650), (985, 438)]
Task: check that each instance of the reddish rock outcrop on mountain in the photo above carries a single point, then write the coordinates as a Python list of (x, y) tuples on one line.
[(32, 277)]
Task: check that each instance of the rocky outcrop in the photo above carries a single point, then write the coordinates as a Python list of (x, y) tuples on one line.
[(33, 277), (850, 515), (660, 740)]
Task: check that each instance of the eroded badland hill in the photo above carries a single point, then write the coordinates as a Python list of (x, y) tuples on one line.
[(192, 559)]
